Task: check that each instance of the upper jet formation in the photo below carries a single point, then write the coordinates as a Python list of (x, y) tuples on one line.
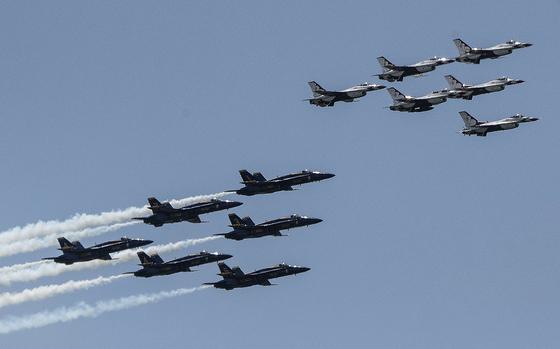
[(73, 252), (393, 72), (154, 266), (468, 54), (481, 128), (235, 277), (460, 90), (165, 213), (244, 228), (256, 183), (415, 104), (323, 98)]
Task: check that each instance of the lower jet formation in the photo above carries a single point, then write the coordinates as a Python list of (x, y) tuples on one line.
[(244, 228), (324, 98), (165, 213), (481, 128), (256, 183), (460, 90), (415, 104), (73, 252), (154, 266), (236, 278)]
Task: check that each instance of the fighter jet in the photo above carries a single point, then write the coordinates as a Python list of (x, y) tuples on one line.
[(415, 104), (481, 128), (468, 54), (393, 72), (73, 252), (244, 228), (256, 183), (460, 90), (165, 213), (236, 278), (154, 266), (323, 98)]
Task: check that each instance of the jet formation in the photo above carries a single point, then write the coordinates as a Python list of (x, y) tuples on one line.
[(165, 213), (245, 228), (236, 278), (457, 90), (324, 98), (73, 252)]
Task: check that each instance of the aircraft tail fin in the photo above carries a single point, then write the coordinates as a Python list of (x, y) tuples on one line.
[(225, 270), (462, 46), (453, 82), (247, 221), (396, 94), (146, 259), (259, 177), (246, 176), (66, 245), (154, 202), (468, 119), (316, 88), (235, 220), (385, 63)]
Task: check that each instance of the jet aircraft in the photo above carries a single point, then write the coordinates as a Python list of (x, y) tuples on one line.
[(154, 266), (256, 183), (165, 213), (244, 228), (236, 278), (323, 98), (460, 90), (393, 72), (468, 54), (481, 128), (73, 252), (415, 104)]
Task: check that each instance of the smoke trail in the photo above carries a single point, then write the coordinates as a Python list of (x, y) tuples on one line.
[(83, 221), (47, 291), (64, 314), (33, 244), (36, 270)]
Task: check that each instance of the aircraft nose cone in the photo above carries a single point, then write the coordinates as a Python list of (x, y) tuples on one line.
[(235, 204), (327, 175), (379, 87), (314, 220), (226, 256), (303, 269), (146, 242), (527, 45), (519, 81)]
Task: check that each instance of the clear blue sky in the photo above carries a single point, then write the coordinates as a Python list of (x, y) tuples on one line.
[(430, 239)]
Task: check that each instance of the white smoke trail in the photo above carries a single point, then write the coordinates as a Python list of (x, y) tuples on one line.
[(36, 270), (83, 221), (36, 243), (48, 291), (65, 314)]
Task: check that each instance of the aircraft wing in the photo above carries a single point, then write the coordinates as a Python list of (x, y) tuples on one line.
[(265, 282), (195, 219)]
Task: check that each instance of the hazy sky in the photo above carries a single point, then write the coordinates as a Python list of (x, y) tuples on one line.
[(430, 239)]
